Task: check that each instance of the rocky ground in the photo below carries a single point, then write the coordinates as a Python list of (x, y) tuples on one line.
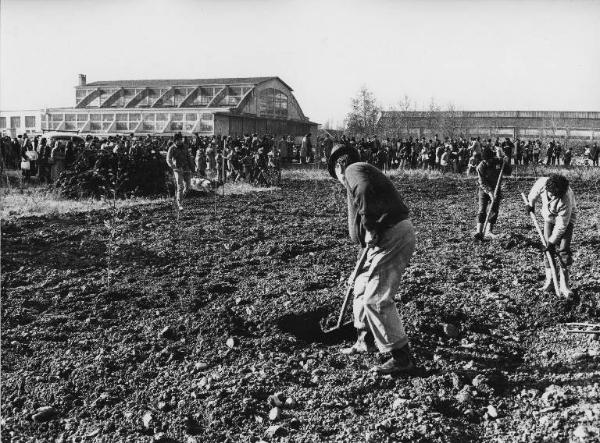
[(207, 329)]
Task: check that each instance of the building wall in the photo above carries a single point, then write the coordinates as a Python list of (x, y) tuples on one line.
[(524, 124), (15, 123)]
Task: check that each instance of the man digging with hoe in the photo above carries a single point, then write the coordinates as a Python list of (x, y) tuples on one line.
[(377, 220)]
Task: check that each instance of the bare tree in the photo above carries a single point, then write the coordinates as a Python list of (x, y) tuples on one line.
[(434, 117), (363, 117)]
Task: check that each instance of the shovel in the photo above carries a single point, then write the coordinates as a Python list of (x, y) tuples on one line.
[(357, 268), (548, 254), (493, 200)]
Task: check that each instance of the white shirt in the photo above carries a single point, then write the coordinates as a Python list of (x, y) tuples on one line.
[(559, 211)]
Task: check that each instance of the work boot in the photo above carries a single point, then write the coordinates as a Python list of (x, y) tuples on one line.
[(548, 284), (488, 232), (401, 362), (478, 234), (364, 344), (564, 283)]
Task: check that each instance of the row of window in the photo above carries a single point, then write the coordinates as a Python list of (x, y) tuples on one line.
[(272, 103), (146, 122), (163, 97), (15, 122)]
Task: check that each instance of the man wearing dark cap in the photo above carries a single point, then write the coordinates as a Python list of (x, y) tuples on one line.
[(377, 219)]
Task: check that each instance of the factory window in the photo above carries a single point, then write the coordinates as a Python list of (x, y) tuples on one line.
[(122, 126), (161, 117), (180, 95), (70, 117), (207, 116), (108, 117), (2, 122), (135, 117), (69, 126), (57, 117), (191, 117), (121, 117), (149, 117), (95, 126), (177, 117), (176, 126), (30, 121), (94, 117), (273, 103), (82, 117)]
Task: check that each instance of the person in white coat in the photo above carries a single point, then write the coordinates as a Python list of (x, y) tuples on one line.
[(559, 211)]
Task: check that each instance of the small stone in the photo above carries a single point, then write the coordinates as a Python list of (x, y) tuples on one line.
[(547, 354), (578, 356), (231, 342), (276, 399), (451, 330), (44, 413), (274, 431), (275, 413), (581, 432), (399, 402), (464, 396), (200, 366), (147, 419), (492, 412), (290, 402)]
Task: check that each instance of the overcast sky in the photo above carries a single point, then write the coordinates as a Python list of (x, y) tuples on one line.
[(478, 55)]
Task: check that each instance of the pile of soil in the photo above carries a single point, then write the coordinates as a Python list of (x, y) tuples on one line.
[(146, 324)]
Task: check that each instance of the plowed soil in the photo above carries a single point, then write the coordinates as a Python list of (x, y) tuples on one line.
[(208, 314)]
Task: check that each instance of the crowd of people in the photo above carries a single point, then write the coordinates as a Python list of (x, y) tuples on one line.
[(459, 154), (258, 159), (251, 158)]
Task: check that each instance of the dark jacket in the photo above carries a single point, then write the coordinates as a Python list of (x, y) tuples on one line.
[(373, 202)]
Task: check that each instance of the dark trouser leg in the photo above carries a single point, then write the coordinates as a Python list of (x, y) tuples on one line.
[(484, 200)]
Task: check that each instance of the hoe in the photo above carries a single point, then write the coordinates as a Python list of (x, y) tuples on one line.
[(351, 280)]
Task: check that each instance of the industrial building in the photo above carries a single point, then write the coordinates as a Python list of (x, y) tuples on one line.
[(522, 124), (222, 106)]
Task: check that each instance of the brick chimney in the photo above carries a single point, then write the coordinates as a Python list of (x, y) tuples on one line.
[(82, 80)]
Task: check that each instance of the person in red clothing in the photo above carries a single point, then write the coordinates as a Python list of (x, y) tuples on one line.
[(377, 219)]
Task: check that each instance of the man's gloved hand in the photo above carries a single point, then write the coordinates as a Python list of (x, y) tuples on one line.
[(529, 209), (371, 238)]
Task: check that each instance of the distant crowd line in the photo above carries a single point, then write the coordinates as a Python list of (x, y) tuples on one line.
[(461, 155), (254, 157)]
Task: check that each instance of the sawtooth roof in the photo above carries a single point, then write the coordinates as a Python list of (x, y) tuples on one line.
[(185, 82)]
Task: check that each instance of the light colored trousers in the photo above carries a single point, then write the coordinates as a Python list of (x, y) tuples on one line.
[(182, 182), (377, 283)]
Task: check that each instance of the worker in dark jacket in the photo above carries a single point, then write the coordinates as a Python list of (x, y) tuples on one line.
[(180, 160), (377, 219), (488, 172)]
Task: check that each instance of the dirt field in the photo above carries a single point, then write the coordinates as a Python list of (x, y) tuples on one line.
[(208, 316)]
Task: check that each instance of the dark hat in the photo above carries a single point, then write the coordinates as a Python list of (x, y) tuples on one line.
[(336, 152)]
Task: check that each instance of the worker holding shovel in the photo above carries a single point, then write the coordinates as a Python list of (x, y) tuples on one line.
[(489, 171), (559, 211), (377, 220)]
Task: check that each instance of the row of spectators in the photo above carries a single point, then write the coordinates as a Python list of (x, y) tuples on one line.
[(459, 154), (244, 157), (216, 157)]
